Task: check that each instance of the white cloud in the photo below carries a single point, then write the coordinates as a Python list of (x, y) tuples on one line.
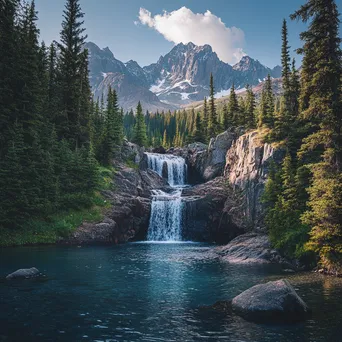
[(184, 26)]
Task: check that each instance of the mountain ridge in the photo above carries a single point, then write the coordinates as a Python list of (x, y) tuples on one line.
[(178, 78)]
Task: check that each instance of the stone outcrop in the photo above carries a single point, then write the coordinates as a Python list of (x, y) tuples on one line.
[(92, 234), (130, 152), (247, 167), (275, 301), (251, 248), (207, 162), (24, 273), (205, 218)]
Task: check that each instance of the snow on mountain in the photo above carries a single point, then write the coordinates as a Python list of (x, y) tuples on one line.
[(180, 77)]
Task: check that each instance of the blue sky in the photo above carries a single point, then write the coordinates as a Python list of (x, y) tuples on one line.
[(111, 23)]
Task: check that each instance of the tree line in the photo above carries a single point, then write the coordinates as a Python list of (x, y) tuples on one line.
[(53, 135)]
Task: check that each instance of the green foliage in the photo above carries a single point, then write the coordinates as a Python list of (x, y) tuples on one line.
[(320, 103), (266, 107), (48, 163), (140, 135), (213, 125)]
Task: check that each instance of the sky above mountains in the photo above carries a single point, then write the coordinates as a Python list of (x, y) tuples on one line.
[(143, 30)]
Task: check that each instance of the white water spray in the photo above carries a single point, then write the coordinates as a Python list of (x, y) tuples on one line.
[(167, 209), (175, 166)]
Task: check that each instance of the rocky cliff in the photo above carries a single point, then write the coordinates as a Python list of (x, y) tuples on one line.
[(247, 167), (243, 160), (130, 203)]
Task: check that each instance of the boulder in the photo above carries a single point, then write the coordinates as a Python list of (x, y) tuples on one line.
[(251, 248), (215, 160), (92, 234), (130, 152), (275, 301), (160, 150), (24, 273)]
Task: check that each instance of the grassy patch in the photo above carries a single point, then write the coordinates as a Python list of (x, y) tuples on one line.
[(61, 224)]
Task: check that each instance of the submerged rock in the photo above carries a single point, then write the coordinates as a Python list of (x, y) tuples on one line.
[(251, 248), (24, 273), (270, 302)]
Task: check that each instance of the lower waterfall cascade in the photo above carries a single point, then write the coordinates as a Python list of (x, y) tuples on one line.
[(167, 208)]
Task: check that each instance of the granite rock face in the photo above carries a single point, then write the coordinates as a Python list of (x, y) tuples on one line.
[(247, 168), (275, 301), (207, 162), (205, 218)]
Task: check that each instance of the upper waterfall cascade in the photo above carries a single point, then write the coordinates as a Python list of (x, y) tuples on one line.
[(174, 166)]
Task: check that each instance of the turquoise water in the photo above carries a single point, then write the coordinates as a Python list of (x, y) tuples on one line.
[(148, 292)]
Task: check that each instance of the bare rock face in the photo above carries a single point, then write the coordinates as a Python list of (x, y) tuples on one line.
[(275, 301), (251, 248), (205, 218), (247, 167), (24, 273), (207, 162)]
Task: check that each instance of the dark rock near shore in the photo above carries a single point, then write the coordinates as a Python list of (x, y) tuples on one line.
[(275, 301), (92, 234), (24, 273)]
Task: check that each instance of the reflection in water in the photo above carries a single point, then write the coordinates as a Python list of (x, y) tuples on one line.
[(149, 292)]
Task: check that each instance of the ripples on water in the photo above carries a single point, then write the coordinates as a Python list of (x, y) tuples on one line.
[(148, 292)]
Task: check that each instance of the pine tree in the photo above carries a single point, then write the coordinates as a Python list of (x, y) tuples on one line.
[(70, 66), (14, 207), (320, 101), (294, 90), (9, 59), (285, 59), (233, 107), (165, 140), (199, 135), (212, 117), (266, 107), (205, 118), (140, 135), (29, 95), (250, 107), (227, 120)]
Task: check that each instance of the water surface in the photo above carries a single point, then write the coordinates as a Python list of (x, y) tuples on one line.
[(148, 292)]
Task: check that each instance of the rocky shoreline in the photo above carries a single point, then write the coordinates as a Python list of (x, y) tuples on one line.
[(224, 203)]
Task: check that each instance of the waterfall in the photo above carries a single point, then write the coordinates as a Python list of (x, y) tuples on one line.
[(167, 208), (174, 166), (166, 217)]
